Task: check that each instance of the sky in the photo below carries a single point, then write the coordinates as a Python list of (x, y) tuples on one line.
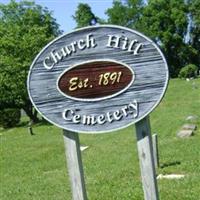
[(64, 9)]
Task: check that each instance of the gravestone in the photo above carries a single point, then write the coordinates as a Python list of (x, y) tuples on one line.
[(192, 118), (189, 127), (185, 133)]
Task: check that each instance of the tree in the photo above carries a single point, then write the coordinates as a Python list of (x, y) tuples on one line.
[(126, 13), (24, 29), (165, 22), (84, 16), (194, 8)]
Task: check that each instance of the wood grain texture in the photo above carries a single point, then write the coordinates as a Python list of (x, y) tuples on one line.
[(155, 150), (145, 153), (74, 163), (148, 88)]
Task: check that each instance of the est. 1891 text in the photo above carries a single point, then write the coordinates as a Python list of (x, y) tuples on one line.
[(108, 78)]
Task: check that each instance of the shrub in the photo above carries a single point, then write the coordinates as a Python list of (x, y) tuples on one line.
[(188, 71), (9, 117)]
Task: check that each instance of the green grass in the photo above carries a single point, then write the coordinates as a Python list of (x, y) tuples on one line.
[(34, 167)]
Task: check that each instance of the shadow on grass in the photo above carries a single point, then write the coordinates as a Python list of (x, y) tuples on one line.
[(169, 164)]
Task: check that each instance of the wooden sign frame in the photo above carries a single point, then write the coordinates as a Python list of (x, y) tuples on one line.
[(110, 113), (83, 61)]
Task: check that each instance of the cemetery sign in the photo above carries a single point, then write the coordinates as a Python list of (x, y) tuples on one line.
[(98, 79)]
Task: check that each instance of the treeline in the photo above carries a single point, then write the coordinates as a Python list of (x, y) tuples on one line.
[(173, 24), (26, 27)]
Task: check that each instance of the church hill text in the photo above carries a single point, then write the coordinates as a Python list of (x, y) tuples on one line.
[(113, 41)]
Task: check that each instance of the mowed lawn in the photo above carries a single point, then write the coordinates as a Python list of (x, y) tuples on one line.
[(34, 167)]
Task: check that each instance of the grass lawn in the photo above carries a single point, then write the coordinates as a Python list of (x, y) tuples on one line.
[(34, 167)]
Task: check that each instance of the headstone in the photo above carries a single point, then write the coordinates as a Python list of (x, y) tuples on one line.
[(192, 118), (185, 133), (194, 85), (170, 176), (189, 127), (23, 112)]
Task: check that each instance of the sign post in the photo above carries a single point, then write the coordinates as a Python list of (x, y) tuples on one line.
[(145, 153), (100, 79), (74, 163)]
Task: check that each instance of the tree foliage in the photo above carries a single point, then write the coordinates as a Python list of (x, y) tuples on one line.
[(10, 117), (125, 13), (84, 15), (24, 29), (194, 8), (189, 71), (167, 23)]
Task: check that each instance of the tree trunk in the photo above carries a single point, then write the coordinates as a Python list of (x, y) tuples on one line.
[(31, 112)]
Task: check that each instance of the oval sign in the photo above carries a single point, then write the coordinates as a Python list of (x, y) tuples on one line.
[(98, 79), (95, 80)]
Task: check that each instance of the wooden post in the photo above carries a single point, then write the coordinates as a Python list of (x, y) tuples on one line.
[(145, 152), (30, 129), (74, 163), (155, 150)]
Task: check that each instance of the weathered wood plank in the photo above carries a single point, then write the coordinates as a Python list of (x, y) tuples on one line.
[(155, 150), (145, 152), (148, 64), (74, 163)]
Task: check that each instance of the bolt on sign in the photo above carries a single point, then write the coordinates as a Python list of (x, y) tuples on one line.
[(98, 79)]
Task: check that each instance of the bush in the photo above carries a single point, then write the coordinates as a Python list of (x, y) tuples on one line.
[(9, 117), (188, 71)]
